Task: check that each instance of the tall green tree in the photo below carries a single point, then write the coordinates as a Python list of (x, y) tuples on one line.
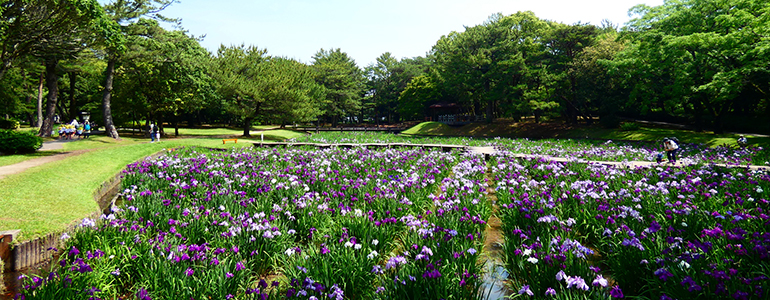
[(565, 45), (291, 93), (709, 52), (27, 24), (343, 84), (494, 64), (236, 71), (387, 79), (84, 26), (124, 14), (164, 74)]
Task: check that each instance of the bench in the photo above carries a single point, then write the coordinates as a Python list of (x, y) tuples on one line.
[(229, 140)]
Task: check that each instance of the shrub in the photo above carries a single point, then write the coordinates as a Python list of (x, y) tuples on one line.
[(12, 142), (629, 126), (9, 124)]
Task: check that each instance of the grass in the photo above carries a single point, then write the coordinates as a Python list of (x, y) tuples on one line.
[(644, 133), (431, 128), (48, 198)]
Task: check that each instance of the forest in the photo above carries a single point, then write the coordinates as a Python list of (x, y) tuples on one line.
[(705, 63)]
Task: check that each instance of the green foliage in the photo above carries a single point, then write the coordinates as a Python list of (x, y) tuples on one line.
[(702, 58), (164, 74), (12, 141), (387, 80), (419, 93), (255, 86), (342, 81), (629, 126), (9, 124)]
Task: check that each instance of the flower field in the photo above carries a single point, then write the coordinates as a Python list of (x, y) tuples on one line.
[(307, 224), (594, 150), (586, 230), (304, 223)]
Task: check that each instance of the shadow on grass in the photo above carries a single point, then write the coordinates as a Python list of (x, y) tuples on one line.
[(657, 134)]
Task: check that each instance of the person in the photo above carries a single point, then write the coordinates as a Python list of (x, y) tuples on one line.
[(671, 147), (742, 141), (152, 132), (659, 157), (157, 132), (61, 132), (87, 128)]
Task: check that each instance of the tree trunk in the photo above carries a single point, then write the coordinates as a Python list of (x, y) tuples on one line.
[(109, 125), (247, 125), (40, 101), (51, 80), (4, 67), (176, 126), (73, 104)]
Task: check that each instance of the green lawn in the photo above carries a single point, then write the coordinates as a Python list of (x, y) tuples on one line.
[(644, 133), (48, 198)]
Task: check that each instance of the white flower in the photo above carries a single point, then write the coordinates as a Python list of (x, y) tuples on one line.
[(357, 247), (375, 242), (65, 236), (290, 251), (532, 260), (372, 255), (527, 252), (348, 244)]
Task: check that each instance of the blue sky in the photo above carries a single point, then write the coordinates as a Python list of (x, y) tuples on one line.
[(366, 29)]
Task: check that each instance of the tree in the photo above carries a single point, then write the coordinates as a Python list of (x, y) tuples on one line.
[(387, 79), (565, 44), (85, 20), (164, 73), (124, 13), (419, 92), (237, 74), (27, 24), (342, 81), (710, 52), (494, 64), (291, 93)]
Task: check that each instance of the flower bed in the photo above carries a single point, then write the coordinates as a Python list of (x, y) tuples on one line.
[(567, 148), (576, 230), (254, 224)]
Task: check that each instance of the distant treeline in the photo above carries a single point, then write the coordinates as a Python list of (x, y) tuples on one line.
[(700, 62)]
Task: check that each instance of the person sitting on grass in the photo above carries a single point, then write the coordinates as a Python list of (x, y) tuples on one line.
[(671, 147)]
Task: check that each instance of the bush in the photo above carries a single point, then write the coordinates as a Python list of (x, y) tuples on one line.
[(12, 142), (629, 126), (9, 124)]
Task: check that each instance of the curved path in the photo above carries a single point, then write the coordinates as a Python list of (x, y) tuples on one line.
[(47, 146)]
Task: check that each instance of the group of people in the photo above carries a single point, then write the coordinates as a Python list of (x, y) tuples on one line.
[(74, 129), (154, 132), (670, 148)]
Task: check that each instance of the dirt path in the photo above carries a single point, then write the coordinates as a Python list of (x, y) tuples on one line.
[(22, 166)]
